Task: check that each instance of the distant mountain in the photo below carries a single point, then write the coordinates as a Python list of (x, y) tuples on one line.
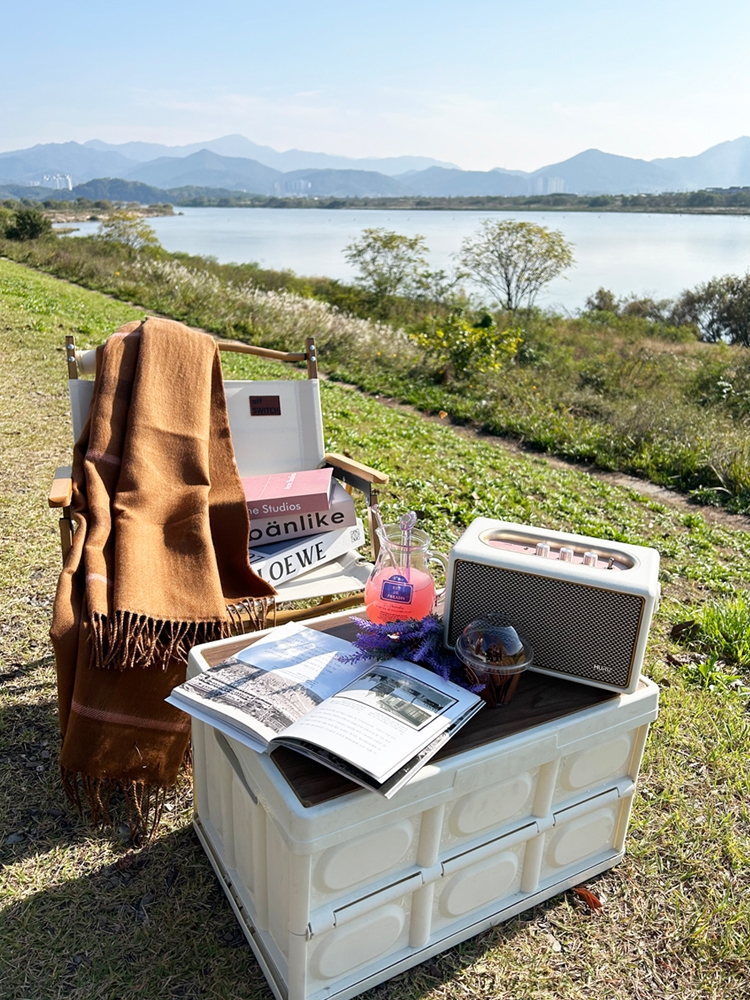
[(437, 182), (52, 159), (339, 184), (594, 172), (228, 165), (114, 189), (207, 169), (291, 159), (13, 191), (725, 165)]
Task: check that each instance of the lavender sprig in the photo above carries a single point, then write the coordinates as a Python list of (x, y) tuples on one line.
[(417, 640)]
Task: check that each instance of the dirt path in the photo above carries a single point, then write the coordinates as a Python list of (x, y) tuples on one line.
[(713, 515)]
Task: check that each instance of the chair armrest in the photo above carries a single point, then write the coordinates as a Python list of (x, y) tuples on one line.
[(357, 469), (61, 490)]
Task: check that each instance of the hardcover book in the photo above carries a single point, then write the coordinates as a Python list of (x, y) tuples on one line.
[(284, 493), (282, 562), (270, 530)]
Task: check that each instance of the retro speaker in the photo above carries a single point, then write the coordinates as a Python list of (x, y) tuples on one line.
[(584, 604)]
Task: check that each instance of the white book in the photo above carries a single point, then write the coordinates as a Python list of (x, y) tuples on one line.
[(286, 560), (377, 724), (271, 530)]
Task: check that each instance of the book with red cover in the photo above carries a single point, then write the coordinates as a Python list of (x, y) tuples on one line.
[(288, 492)]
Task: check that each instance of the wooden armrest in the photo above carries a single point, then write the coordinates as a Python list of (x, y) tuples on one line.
[(61, 490), (357, 469)]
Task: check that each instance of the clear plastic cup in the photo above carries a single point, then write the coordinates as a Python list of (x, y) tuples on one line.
[(495, 655)]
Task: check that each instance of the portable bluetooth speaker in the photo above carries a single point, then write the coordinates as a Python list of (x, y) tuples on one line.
[(584, 604)]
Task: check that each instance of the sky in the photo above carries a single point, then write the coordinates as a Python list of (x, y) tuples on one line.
[(480, 84)]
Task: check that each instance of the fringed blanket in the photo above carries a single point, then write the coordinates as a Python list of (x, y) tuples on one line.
[(159, 563)]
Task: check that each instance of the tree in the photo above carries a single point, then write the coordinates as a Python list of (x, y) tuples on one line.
[(603, 300), (514, 260), (127, 230), (389, 264), (719, 308), (28, 224)]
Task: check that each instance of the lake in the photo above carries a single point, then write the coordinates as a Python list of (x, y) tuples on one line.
[(657, 255)]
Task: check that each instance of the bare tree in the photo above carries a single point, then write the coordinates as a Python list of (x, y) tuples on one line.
[(514, 260)]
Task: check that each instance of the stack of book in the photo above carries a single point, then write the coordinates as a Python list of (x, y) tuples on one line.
[(298, 521)]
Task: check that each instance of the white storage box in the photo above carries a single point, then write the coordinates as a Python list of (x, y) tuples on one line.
[(338, 889)]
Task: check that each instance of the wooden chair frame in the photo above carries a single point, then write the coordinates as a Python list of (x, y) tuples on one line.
[(353, 475)]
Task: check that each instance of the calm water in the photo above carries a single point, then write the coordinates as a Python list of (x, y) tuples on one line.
[(656, 255)]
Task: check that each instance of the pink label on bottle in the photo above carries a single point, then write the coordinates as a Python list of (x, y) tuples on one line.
[(397, 589)]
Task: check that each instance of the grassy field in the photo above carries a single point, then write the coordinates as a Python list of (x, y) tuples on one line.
[(85, 917), (623, 391)]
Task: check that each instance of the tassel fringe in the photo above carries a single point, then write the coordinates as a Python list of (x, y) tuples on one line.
[(252, 615), (127, 639), (145, 803)]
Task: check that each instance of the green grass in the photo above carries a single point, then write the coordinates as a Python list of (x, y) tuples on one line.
[(83, 918), (622, 392), (722, 628)]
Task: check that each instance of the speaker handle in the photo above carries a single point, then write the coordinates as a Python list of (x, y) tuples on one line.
[(438, 557)]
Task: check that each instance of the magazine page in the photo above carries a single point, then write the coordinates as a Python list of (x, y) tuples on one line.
[(384, 718), (400, 777), (272, 683)]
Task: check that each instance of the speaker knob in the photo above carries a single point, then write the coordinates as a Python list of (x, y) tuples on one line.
[(542, 549), (590, 558), (566, 554)]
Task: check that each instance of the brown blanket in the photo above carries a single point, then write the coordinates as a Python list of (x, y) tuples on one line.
[(159, 563)]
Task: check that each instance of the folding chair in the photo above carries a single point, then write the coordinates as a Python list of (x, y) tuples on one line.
[(293, 436)]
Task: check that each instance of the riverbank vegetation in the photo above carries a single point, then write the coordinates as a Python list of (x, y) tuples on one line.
[(721, 201), (627, 385), (135, 195)]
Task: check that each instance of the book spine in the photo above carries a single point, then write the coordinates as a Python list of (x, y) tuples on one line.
[(269, 531), (294, 560)]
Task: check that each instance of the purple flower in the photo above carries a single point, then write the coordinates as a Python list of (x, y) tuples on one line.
[(417, 640)]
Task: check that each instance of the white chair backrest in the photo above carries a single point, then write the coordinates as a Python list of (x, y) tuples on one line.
[(276, 426)]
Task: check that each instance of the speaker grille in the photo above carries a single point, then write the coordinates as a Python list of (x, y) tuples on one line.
[(574, 629)]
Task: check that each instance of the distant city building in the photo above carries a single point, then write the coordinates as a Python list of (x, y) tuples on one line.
[(296, 186), (548, 185), (58, 181)]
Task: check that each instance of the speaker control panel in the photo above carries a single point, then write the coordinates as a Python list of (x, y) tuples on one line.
[(605, 559)]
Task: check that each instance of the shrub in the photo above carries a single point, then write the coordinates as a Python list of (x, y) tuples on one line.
[(719, 308), (461, 348), (28, 224), (128, 231)]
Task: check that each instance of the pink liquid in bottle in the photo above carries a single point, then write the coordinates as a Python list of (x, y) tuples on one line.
[(394, 594)]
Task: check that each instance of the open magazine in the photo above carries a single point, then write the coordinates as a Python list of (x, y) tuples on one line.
[(376, 724)]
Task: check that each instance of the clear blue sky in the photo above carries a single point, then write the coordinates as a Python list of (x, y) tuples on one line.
[(483, 84)]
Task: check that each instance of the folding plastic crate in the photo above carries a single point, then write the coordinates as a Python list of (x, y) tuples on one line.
[(338, 889)]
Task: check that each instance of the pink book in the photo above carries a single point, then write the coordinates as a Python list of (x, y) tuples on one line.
[(288, 493)]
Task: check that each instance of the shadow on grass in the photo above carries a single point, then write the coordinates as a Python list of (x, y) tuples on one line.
[(34, 814), (160, 927)]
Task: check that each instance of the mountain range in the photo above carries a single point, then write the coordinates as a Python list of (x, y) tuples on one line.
[(235, 163)]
